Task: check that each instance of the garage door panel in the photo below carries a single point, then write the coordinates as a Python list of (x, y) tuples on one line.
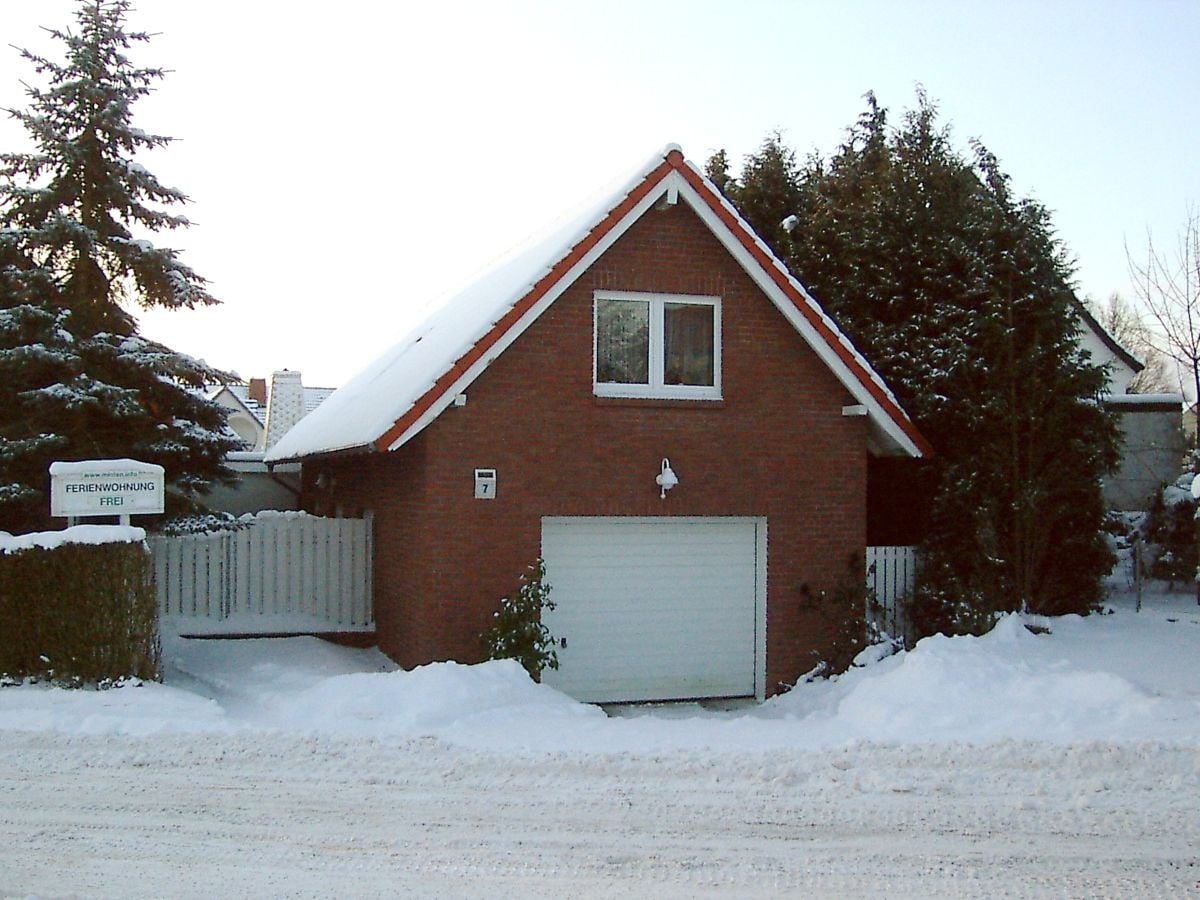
[(654, 608)]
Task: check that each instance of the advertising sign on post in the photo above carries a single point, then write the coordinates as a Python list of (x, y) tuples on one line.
[(106, 487)]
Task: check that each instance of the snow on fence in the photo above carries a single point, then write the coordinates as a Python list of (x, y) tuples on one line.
[(286, 573), (891, 576)]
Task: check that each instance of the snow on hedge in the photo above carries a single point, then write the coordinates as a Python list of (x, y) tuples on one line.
[(76, 534)]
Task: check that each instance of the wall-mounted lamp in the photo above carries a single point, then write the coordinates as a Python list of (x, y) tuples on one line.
[(666, 479)]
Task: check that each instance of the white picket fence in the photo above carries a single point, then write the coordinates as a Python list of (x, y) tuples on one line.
[(284, 574), (891, 577)]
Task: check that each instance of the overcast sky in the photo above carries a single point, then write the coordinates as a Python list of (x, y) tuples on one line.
[(349, 162)]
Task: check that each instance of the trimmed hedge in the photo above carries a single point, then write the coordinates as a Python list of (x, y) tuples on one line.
[(78, 614)]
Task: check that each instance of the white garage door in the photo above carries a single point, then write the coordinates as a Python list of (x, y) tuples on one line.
[(656, 608)]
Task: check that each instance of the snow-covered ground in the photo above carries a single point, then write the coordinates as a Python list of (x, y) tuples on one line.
[(1060, 764)]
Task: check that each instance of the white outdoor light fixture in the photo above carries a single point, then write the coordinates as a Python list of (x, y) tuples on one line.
[(666, 479)]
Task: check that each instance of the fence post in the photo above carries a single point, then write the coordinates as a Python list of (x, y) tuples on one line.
[(1137, 572), (891, 575)]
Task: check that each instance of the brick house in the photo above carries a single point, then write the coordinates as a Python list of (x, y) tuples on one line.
[(538, 413)]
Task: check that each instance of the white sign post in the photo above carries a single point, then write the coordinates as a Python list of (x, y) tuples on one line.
[(106, 487)]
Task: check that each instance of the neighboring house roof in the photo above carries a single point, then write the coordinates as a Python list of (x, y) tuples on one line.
[(1107, 339), (1144, 402), (236, 399), (404, 390), (315, 396), (288, 402), (242, 393), (245, 419)]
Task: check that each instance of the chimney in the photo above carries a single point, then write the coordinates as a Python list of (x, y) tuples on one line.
[(285, 406), (258, 391)]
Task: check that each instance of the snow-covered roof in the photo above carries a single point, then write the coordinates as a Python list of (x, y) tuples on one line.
[(405, 389), (240, 392), (1169, 401), (315, 396)]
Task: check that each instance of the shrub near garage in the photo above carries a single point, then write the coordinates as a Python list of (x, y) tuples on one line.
[(518, 632), (77, 614)]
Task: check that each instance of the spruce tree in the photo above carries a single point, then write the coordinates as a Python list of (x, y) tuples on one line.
[(959, 294), (77, 380)]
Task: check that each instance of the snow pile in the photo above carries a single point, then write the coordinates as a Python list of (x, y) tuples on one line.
[(1180, 491), (997, 687), (76, 534), (138, 710), (250, 679), (1123, 678), (269, 515), (442, 698), (305, 685)]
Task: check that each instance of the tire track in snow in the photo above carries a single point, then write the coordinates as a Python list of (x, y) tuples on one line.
[(275, 815)]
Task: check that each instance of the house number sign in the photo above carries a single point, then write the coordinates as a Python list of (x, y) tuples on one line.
[(485, 484)]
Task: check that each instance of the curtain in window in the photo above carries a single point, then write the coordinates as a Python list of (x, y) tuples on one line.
[(688, 344), (622, 341)]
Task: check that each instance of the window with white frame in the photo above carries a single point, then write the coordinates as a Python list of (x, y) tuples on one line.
[(657, 345)]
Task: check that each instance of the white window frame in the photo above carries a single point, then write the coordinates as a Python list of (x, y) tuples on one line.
[(656, 388)]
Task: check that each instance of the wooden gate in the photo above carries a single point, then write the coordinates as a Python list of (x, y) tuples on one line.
[(285, 573)]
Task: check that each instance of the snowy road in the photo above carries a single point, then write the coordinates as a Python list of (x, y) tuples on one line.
[(1059, 764), (256, 814)]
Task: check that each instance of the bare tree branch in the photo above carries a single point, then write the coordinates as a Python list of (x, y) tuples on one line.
[(1128, 327), (1168, 285)]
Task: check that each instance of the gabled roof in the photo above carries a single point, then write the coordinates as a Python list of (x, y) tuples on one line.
[(404, 390), (240, 393), (1107, 339)]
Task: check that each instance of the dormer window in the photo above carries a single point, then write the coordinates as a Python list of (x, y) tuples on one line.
[(665, 346)]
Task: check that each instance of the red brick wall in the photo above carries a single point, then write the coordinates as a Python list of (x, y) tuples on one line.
[(776, 446)]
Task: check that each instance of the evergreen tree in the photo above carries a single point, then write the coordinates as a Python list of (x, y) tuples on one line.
[(959, 294), (77, 381)]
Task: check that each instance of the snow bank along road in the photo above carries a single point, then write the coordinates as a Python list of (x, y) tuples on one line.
[(257, 814), (1064, 764)]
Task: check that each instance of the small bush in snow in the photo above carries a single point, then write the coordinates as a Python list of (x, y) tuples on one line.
[(204, 523), (1171, 528), (947, 605), (846, 606), (518, 632)]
